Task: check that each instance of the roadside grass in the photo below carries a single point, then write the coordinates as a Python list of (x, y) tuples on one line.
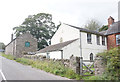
[(56, 68), (8, 56)]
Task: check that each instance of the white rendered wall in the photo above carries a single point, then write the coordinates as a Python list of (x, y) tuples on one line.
[(52, 55), (87, 49), (70, 33), (71, 49), (66, 32), (55, 54)]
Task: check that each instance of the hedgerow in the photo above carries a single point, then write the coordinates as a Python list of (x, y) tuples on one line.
[(112, 70)]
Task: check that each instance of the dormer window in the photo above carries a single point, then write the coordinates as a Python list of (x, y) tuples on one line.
[(118, 39), (89, 38)]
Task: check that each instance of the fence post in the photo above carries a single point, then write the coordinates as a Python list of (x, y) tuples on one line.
[(81, 66)]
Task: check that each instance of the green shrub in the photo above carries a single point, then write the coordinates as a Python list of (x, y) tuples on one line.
[(112, 58)]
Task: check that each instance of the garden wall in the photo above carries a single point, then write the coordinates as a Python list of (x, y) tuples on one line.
[(99, 65), (73, 62)]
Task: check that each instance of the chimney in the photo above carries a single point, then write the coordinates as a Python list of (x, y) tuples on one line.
[(110, 21), (11, 37)]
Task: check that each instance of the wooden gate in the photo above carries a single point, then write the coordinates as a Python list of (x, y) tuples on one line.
[(87, 67)]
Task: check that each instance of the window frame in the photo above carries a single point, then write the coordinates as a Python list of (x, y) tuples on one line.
[(98, 39), (103, 40), (26, 44), (89, 38), (91, 56), (118, 43)]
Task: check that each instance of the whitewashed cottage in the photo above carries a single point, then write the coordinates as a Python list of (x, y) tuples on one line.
[(71, 40)]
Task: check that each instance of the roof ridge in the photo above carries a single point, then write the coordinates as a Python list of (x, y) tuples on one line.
[(85, 30)]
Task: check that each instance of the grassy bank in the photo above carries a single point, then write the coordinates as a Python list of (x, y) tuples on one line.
[(56, 68)]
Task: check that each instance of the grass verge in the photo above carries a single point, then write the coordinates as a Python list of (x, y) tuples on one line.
[(56, 68)]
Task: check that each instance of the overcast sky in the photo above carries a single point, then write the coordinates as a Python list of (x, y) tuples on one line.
[(74, 12)]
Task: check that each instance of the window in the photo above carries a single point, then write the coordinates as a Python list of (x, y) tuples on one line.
[(103, 40), (98, 39), (118, 39), (89, 38), (91, 56), (27, 44)]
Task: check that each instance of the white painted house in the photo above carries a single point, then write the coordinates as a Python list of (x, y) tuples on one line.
[(71, 40)]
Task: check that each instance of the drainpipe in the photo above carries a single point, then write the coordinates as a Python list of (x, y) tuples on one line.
[(81, 58), (61, 54)]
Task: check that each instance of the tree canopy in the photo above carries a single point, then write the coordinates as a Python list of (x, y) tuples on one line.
[(103, 28), (93, 25), (2, 45), (40, 26)]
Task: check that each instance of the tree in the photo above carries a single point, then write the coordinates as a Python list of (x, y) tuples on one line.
[(40, 26), (2, 45), (93, 25), (103, 28)]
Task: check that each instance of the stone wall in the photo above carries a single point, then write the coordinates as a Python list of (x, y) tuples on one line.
[(10, 48), (17, 46), (99, 65), (73, 62), (20, 47)]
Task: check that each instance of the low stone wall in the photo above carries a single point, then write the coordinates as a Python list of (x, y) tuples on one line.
[(99, 65), (73, 62)]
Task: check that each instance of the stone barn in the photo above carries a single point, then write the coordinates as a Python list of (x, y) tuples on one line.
[(23, 44)]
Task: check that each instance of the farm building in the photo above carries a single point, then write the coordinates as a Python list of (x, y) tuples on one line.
[(21, 45)]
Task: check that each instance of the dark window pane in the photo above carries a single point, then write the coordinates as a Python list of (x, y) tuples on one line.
[(103, 40), (91, 56), (27, 44), (118, 39), (89, 38)]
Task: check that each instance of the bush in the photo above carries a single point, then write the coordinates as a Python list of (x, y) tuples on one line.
[(112, 58)]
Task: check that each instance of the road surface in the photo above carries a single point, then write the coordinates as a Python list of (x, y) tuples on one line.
[(12, 70)]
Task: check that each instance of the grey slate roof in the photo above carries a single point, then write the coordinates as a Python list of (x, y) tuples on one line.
[(56, 47), (114, 28), (86, 30)]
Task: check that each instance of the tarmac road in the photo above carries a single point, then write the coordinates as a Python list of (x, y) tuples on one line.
[(12, 70)]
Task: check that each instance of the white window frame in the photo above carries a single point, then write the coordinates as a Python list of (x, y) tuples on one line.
[(98, 39), (89, 38), (118, 39), (103, 40)]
